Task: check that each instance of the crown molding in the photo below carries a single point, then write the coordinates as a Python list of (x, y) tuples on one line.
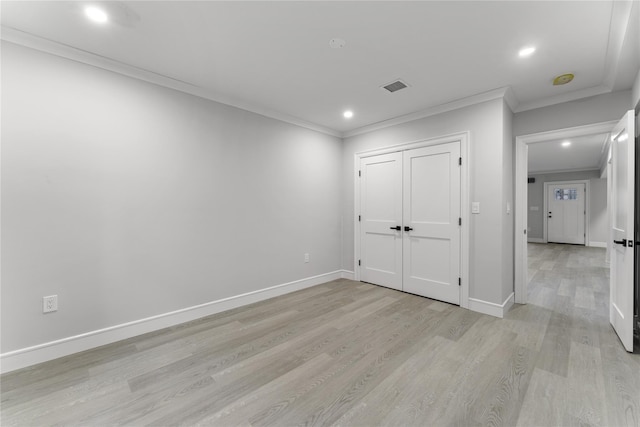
[(65, 51), (438, 109), (545, 172), (565, 97)]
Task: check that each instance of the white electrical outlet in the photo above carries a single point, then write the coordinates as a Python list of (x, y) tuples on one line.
[(50, 303), (306, 257)]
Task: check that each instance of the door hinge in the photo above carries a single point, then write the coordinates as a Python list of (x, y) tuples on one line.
[(460, 161), (359, 173), (358, 262), (459, 221), (459, 281), (359, 218)]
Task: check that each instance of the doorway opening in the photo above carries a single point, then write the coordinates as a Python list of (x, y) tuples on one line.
[(528, 230)]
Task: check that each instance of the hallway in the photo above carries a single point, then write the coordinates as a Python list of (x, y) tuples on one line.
[(583, 374)]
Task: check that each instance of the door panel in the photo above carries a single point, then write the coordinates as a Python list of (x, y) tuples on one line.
[(381, 209), (431, 209), (622, 215), (566, 213)]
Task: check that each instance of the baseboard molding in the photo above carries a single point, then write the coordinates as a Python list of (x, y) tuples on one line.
[(25, 357), (346, 274), (535, 240), (598, 244), (490, 308)]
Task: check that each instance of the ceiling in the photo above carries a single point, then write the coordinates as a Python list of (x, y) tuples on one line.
[(274, 58), (585, 153)]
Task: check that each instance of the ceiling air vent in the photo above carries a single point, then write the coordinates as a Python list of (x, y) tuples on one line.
[(395, 86)]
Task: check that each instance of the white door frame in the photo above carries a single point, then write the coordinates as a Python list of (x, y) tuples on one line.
[(520, 289), (545, 203), (465, 203)]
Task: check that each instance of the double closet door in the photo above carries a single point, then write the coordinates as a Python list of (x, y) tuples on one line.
[(410, 221)]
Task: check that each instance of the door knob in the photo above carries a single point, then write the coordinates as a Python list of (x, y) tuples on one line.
[(397, 228), (407, 228), (622, 242)]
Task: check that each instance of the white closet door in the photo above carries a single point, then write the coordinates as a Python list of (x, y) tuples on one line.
[(431, 211), (381, 214), (623, 215), (566, 213)]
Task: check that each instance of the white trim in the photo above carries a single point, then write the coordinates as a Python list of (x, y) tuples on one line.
[(535, 240), (28, 356), (464, 139), (536, 173), (502, 93), (598, 244), (490, 308), (521, 193), (545, 204), (34, 42), (562, 98)]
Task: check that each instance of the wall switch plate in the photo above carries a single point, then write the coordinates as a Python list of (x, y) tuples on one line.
[(50, 303), (306, 257), (475, 207)]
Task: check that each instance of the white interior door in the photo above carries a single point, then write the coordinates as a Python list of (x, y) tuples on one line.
[(622, 216), (566, 213), (431, 212), (381, 219)]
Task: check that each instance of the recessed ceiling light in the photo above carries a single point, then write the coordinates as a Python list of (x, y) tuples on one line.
[(566, 143), (96, 14), (526, 51), (348, 114)]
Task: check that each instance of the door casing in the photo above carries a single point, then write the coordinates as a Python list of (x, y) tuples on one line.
[(463, 138)]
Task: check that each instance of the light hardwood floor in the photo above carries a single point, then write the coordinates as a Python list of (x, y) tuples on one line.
[(348, 353)]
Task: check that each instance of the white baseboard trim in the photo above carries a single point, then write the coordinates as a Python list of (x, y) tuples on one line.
[(598, 244), (490, 308), (535, 240), (346, 274), (28, 356)]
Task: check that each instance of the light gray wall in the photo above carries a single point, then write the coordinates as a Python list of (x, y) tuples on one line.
[(635, 101), (508, 218), (489, 258), (129, 200), (597, 203), (596, 109)]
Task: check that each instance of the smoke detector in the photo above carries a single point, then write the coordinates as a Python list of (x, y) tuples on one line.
[(563, 79), (395, 86)]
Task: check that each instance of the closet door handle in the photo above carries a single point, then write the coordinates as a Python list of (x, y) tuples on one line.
[(397, 228), (407, 228), (622, 242)]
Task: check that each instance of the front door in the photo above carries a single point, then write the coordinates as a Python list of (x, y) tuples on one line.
[(432, 222), (622, 219), (566, 213)]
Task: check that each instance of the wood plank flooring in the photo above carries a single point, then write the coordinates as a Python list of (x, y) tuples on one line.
[(353, 354)]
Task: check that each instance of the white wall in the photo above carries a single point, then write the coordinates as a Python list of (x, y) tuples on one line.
[(489, 258), (635, 101), (597, 225), (130, 200), (508, 197)]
